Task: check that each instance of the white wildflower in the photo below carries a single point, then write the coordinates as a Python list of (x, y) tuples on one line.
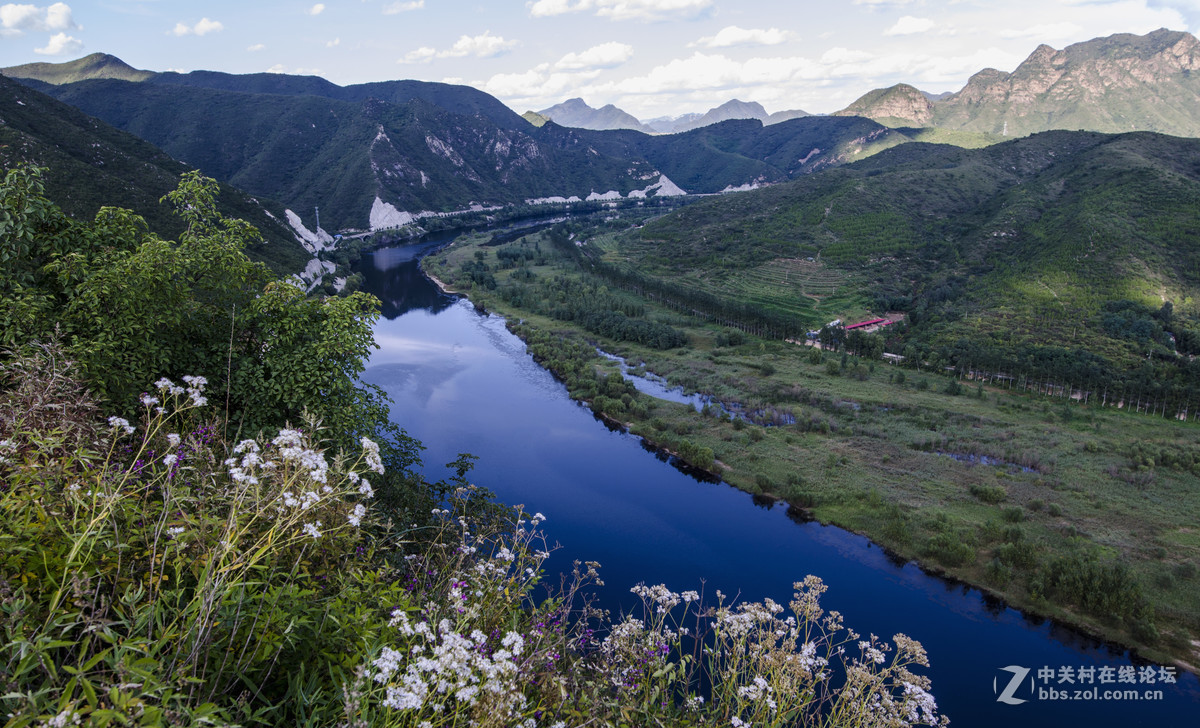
[(121, 423), (169, 459), (357, 515), (371, 455), (63, 719), (173, 438), (365, 488), (245, 446), (514, 641), (175, 531), (313, 529), (387, 663), (149, 400)]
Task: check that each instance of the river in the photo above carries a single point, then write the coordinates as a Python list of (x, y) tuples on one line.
[(460, 382)]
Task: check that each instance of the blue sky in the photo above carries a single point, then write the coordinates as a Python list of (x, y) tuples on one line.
[(650, 57)]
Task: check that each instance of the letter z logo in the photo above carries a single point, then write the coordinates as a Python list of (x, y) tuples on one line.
[(1018, 675)]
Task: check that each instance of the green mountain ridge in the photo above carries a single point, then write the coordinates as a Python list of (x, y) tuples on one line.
[(1019, 244)]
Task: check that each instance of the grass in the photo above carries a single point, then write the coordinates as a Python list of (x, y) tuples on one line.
[(871, 450)]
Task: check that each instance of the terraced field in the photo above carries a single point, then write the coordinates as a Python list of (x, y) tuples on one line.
[(796, 286)]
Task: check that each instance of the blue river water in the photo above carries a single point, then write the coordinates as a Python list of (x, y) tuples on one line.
[(460, 382)]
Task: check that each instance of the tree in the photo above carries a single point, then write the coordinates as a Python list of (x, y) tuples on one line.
[(132, 308)]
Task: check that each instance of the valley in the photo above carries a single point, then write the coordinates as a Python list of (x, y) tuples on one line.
[(1020, 493), (944, 348)]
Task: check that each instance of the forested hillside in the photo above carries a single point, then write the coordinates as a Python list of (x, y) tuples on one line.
[(1014, 259), (89, 164)]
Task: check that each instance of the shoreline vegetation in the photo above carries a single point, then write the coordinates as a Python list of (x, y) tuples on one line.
[(1047, 505)]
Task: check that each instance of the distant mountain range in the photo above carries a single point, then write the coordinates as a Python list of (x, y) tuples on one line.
[(1115, 84), (576, 113)]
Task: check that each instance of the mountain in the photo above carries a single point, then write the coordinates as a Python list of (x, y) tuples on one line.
[(1119, 83), (1039, 241), (97, 65), (371, 163), (459, 99), (732, 109), (365, 164), (1114, 84), (669, 124), (899, 105), (535, 118), (89, 164), (743, 153), (576, 113)]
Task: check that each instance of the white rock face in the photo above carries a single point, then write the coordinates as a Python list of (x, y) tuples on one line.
[(384, 215), (741, 188), (610, 195), (553, 200), (313, 242), (667, 188), (308, 278), (662, 188)]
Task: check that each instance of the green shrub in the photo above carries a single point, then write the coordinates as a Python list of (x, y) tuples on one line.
[(950, 549), (989, 493)]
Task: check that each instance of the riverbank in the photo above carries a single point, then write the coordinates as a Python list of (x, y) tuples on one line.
[(863, 453)]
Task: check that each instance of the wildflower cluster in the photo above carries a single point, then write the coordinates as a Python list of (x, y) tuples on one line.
[(224, 562), (458, 659)]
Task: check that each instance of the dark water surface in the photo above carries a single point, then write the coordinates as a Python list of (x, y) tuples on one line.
[(461, 383)]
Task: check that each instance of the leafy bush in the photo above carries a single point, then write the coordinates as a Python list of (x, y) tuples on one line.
[(989, 493)]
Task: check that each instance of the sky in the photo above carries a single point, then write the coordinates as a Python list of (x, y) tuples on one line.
[(651, 58)]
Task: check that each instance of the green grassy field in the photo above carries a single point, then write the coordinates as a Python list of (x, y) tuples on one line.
[(1085, 514)]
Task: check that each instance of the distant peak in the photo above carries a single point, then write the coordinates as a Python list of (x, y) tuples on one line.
[(95, 65)]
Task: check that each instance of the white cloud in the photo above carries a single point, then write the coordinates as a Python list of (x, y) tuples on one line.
[(280, 68), (884, 3), (1045, 31), (16, 18), (333, 43), (480, 46), (537, 83), (908, 25), (605, 55), (623, 9), (257, 47), (420, 55), (60, 44), (316, 9), (403, 7), (203, 27), (734, 36)]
